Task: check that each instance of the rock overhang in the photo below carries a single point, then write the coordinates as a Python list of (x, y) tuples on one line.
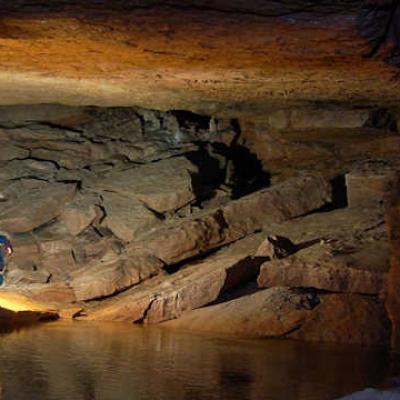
[(212, 57)]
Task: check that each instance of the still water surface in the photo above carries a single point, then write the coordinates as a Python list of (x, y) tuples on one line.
[(80, 361)]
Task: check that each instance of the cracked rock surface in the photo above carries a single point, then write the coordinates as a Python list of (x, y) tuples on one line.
[(254, 229)]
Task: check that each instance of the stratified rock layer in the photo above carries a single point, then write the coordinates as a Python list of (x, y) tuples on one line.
[(210, 57)]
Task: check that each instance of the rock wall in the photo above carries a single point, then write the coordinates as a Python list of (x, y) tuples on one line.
[(269, 227)]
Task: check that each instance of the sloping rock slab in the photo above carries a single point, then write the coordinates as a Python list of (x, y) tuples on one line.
[(190, 288), (237, 219), (36, 208), (273, 312), (111, 274)]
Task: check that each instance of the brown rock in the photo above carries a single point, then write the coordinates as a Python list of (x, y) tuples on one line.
[(268, 313), (127, 218), (168, 297), (306, 119), (276, 247), (18, 277), (342, 251), (344, 318), (392, 298), (161, 186), (79, 214), (57, 257), (111, 274), (70, 313), (237, 219), (56, 114), (26, 252), (368, 184), (39, 207), (276, 61), (11, 152), (56, 295), (16, 169), (324, 274)]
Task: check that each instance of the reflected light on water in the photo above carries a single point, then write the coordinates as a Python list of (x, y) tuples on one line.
[(77, 360)]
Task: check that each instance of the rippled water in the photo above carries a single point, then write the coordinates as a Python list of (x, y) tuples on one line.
[(84, 361)]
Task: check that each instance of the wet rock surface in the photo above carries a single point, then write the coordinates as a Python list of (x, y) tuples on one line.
[(274, 228)]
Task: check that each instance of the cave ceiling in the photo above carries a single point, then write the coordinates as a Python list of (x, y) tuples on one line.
[(208, 56)]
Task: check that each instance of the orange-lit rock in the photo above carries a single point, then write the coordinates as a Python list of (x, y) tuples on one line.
[(205, 56)]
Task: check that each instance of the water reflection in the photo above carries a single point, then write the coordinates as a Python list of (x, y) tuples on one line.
[(117, 361)]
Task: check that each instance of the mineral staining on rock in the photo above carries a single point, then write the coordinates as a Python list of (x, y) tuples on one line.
[(252, 228)]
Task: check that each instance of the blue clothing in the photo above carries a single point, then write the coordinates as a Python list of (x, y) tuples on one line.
[(4, 243)]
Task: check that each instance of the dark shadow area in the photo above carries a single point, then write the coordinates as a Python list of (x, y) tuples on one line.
[(383, 119), (246, 173), (339, 195), (190, 120), (243, 171), (240, 279), (210, 173)]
